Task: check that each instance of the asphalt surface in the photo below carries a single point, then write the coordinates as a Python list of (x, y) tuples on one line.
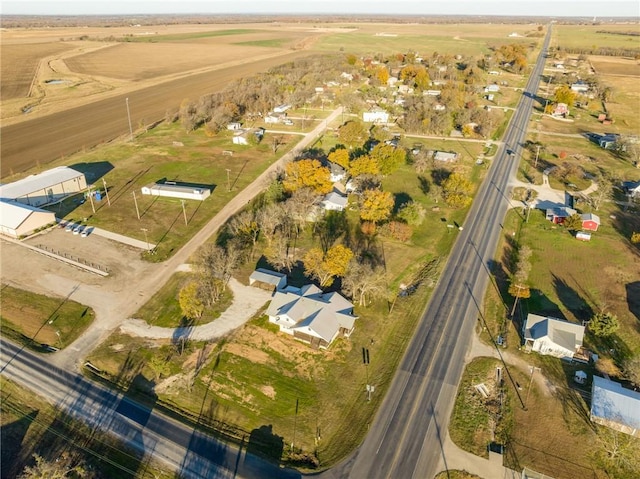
[(69, 131), (191, 453), (407, 437)]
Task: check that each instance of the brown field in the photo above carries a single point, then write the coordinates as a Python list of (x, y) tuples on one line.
[(142, 61), (606, 66), (19, 65)]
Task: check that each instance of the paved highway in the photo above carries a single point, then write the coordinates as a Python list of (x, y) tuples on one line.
[(406, 438), (192, 454)]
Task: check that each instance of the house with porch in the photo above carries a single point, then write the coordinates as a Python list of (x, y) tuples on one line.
[(553, 337), (312, 316)]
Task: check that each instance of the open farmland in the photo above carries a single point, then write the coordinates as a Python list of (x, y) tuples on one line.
[(136, 61), (424, 39), (596, 36), (19, 65)]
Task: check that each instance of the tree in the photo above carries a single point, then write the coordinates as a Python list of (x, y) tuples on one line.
[(602, 194), (340, 156), (361, 282), (159, 366), (635, 238), (603, 324), (218, 262), (62, 468), (457, 191), (399, 231), (631, 368), (189, 299), (412, 213), (388, 158), (325, 267), (564, 94), (363, 165), (376, 205), (353, 133), (619, 453), (573, 222), (245, 228), (382, 74), (307, 173)]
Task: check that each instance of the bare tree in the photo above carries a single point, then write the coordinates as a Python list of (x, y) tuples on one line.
[(218, 262), (602, 194), (269, 218), (362, 281)]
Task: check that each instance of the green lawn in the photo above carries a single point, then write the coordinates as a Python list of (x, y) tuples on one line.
[(34, 319), (189, 36)]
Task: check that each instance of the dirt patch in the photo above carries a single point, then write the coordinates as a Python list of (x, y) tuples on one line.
[(268, 391), (252, 354), (615, 66)]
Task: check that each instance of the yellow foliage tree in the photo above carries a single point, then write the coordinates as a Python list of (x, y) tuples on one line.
[(382, 74), (189, 300), (457, 191), (376, 205), (340, 156), (635, 238), (363, 165), (307, 173), (326, 267)]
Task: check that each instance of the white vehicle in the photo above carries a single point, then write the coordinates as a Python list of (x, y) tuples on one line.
[(78, 229), (86, 232), (287, 122), (70, 227)]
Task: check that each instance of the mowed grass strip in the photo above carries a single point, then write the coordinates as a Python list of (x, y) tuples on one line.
[(173, 37), (33, 319)]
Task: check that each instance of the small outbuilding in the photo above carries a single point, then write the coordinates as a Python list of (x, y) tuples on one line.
[(615, 407), (376, 115), (559, 214), (583, 236), (268, 279), (590, 221), (171, 189)]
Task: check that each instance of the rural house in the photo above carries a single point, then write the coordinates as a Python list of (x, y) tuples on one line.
[(312, 316), (275, 117), (631, 188), (615, 407), (375, 115), (552, 337), (491, 89), (336, 172), (561, 109), (590, 221), (334, 201), (580, 87), (558, 214)]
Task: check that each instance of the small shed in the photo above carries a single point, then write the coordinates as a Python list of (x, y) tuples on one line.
[(580, 377), (445, 156), (583, 236), (590, 221), (268, 279)]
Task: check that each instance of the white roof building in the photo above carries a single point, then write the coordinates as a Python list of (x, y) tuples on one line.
[(171, 189), (615, 407), (375, 115), (46, 187), (553, 337), (312, 316), (17, 219), (268, 278), (334, 201)]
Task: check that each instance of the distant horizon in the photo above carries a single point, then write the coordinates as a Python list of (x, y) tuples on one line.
[(498, 8)]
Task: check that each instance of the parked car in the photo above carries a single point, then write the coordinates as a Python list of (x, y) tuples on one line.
[(70, 227), (78, 229), (86, 232), (287, 122)]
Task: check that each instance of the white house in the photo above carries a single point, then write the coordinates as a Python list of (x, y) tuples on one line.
[(281, 108), (312, 316), (17, 219), (236, 125), (334, 201), (552, 337), (580, 87), (275, 117), (336, 172), (491, 89), (376, 115), (615, 407), (445, 156)]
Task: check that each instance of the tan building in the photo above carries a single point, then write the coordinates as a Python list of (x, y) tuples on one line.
[(45, 188), (17, 220)]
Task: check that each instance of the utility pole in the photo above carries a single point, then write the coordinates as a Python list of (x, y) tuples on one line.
[(184, 212), (513, 310), (295, 422), (106, 191), (129, 118), (93, 208), (135, 200), (228, 180), (535, 164), (146, 239), (365, 361), (533, 370)]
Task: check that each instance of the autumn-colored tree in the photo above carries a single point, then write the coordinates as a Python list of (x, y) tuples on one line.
[(361, 282), (190, 304), (244, 226), (307, 173), (363, 165), (468, 130), (353, 133), (325, 267), (564, 94), (382, 74), (62, 468), (400, 231), (159, 366), (457, 191), (340, 156), (412, 213), (573, 222), (518, 287), (635, 238), (376, 205), (388, 158)]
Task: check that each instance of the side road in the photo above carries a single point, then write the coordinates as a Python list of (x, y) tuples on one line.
[(113, 308)]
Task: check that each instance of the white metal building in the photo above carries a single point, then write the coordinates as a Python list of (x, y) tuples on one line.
[(17, 219), (44, 188), (174, 190)]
